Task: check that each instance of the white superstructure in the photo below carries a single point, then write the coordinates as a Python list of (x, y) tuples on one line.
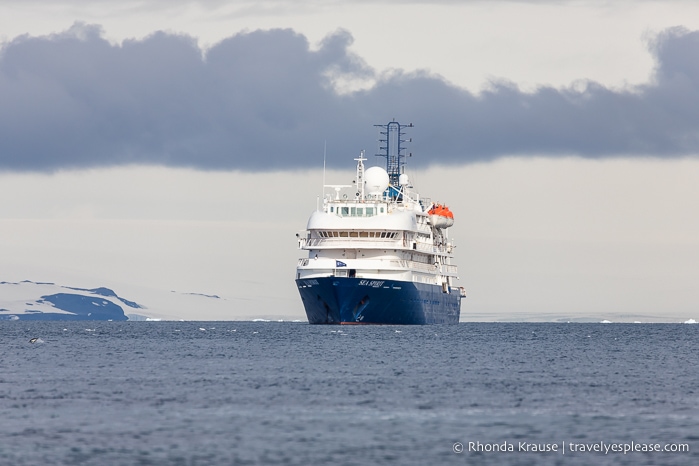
[(373, 231)]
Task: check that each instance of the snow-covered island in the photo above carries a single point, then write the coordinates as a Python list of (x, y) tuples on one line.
[(29, 300)]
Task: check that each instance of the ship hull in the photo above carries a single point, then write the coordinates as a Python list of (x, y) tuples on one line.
[(339, 300)]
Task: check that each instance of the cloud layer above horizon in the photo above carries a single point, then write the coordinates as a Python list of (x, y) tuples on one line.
[(267, 100)]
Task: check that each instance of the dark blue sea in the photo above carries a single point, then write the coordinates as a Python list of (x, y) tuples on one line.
[(248, 393)]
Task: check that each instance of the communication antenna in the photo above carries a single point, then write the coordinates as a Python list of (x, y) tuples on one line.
[(325, 149), (391, 144)]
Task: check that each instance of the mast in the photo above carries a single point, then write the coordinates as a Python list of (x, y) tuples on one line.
[(360, 175), (391, 143)]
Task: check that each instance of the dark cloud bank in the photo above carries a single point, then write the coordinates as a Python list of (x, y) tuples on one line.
[(263, 100)]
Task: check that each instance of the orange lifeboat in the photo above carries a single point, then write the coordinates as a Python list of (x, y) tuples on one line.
[(441, 216)]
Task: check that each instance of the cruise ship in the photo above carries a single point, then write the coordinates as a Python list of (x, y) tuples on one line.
[(377, 252)]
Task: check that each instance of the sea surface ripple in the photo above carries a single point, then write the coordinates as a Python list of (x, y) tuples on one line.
[(246, 393)]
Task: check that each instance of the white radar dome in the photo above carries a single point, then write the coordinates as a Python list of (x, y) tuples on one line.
[(403, 180), (375, 180)]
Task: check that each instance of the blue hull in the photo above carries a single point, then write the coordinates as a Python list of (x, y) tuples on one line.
[(334, 300)]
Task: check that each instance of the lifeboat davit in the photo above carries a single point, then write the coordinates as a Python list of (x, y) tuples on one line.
[(441, 216)]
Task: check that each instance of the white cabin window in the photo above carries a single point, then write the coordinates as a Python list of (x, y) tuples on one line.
[(369, 211), (345, 211), (360, 212)]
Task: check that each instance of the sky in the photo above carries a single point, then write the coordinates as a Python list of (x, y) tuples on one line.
[(155, 146)]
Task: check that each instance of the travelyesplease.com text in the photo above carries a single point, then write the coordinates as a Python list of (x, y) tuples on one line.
[(570, 447)]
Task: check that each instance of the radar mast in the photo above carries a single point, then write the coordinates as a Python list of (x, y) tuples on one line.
[(391, 144)]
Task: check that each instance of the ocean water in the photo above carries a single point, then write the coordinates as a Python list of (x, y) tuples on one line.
[(229, 393)]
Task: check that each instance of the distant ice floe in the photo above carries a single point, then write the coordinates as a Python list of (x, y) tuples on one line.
[(152, 319), (690, 321), (606, 322), (277, 320)]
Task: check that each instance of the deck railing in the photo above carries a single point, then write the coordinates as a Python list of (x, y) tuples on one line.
[(371, 243), (446, 269)]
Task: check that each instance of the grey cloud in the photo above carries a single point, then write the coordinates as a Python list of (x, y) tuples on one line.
[(263, 100)]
